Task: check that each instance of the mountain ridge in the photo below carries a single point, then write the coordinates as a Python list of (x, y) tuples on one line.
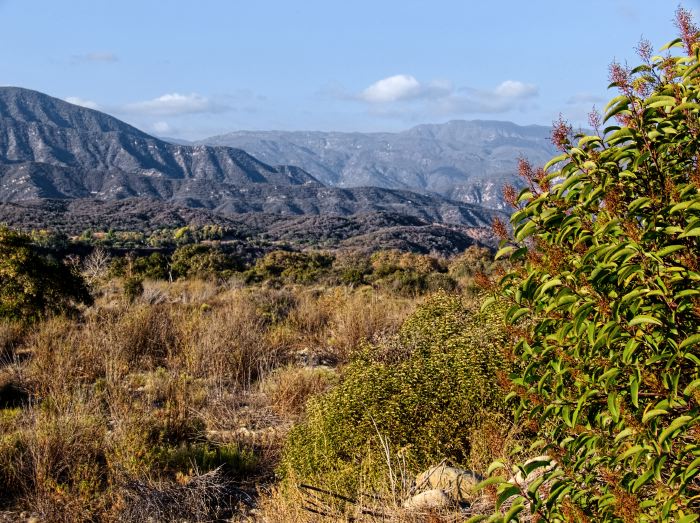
[(464, 160), (51, 149)]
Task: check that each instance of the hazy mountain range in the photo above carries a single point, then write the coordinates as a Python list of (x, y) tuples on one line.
[(467, 161), (51, 149)]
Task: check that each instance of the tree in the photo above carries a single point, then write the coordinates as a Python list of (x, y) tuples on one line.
[(606, 303), (96, 265), (32, 284)]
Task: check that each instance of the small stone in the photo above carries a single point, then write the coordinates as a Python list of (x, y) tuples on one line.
[(457, 483), (428, 500)]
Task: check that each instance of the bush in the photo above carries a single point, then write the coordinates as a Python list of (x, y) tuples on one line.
[(154, 267), (294, 267), (32, 285), (608, 303), (203, 261), (385, 263), (424, 392), (133, 288)]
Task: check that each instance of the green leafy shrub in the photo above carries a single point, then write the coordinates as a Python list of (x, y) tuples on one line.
[(608, 304), (471, 262), (133, 288), (424, 392), (410, 274), (32, 284), (385, 263), (202, 261), (352, 268), (294, 267), (154, 266)]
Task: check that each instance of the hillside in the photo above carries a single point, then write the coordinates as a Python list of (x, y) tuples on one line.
[(467, 161), (364, 231), (50, 149)]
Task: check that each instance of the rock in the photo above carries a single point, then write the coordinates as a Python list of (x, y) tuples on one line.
[(456, 483), (428, 500), (547, 464)]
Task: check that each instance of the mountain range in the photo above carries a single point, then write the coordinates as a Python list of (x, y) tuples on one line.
[(467, 161), (51, 149)]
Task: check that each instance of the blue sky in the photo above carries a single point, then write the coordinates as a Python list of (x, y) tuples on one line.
[(194, 69)]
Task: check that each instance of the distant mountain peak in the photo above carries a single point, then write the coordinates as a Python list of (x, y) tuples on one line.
[(51, 149), (465, 160)]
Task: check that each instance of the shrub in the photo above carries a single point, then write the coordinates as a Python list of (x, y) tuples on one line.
[(294, 267), (203, 261), (425, 401), (471, 262), (32, 285), (389, 262), (608, 303), (154, 266), (133, 288)]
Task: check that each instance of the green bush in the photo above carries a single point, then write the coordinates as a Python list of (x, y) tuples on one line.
[(294, 267), (154, 267), (425, 392), (385, 263), (133, 288), (203, 261), (608, 303), (32, 284)]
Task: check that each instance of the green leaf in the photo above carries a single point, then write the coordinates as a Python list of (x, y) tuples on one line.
[(634, 390), (691, 387), (642, 319), (506, 493), (495, 480), (690, 340), (514, 511), (642, 480), (653, 413), (670, 249), (495, 466), (504, 251), (676, 424)]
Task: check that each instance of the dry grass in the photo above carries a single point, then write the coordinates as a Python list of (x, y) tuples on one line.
[(126, 403), (364, 316), (289, 388)]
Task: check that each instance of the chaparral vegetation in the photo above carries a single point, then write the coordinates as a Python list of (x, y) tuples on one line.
[(178, 376)]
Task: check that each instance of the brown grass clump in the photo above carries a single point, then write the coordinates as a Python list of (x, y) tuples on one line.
[(11, 335), (174, 405), (67, 456), (289, 388), (364, 316)]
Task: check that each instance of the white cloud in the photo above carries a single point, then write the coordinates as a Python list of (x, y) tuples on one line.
[(406, 97), (75, 100), (402, 87), (175, 104), (95, 57), (515, 89), (392, 89)]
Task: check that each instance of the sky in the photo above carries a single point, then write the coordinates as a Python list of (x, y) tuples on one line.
[(190, 70)]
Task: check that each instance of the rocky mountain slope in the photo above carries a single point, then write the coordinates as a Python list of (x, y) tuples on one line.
[(50, 149), (467, 161), (368, 232)]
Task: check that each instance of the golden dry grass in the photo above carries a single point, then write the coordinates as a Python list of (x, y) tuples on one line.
[(115, 396)]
